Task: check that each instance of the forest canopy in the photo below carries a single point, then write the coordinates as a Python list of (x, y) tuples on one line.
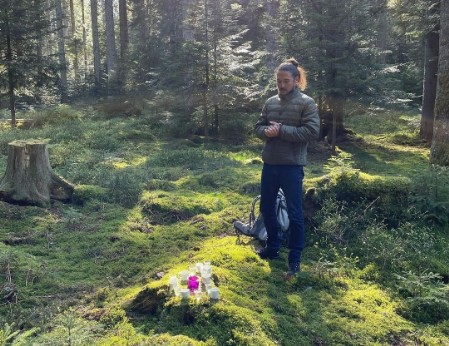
[(210, 62)]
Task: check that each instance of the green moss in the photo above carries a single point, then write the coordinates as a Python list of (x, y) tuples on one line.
[(165, 207), (358, 194), (151, 207), (368, 313), (85, 193)]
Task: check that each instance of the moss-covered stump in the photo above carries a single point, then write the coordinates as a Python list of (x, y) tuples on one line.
[(29, 178)]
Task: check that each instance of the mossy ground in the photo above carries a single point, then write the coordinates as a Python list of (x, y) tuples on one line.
[(95, 272)]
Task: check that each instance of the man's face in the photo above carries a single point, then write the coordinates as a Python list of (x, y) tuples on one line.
[(285, 82)]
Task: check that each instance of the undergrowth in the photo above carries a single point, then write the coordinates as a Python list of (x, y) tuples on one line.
[(147, 206)]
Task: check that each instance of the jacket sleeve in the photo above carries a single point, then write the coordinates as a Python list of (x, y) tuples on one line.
[(309, 128), (262, 124)]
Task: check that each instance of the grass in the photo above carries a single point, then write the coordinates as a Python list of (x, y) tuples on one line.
[(95, 272), (385, 139)]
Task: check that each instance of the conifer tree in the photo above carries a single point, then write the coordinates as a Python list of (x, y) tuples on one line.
[(219, 67), (20, 54), (336, 43), (144, 33)]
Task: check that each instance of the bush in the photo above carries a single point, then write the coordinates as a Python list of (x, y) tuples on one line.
[(85, 193), (119, 107), (125, 187), (237, 127), (384, 198), (430, 195), (56, 115), (426, 296), (102, 141)]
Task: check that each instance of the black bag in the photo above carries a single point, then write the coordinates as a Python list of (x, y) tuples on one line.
[(256, 227)]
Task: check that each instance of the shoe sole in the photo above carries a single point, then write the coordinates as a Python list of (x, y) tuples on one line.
[(267, 257)]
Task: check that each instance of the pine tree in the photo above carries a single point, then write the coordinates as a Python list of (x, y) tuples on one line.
[(20, 49), (336, 43), (216, 76)]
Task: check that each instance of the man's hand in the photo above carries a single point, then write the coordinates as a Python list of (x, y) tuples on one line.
[(273, 129)]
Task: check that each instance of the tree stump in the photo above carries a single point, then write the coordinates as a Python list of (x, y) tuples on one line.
[(29, 178)]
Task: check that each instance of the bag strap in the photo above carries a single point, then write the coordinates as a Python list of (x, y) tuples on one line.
[(252, 214)]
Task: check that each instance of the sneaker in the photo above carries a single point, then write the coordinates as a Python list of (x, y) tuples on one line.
[(293, 269), (267, 253)]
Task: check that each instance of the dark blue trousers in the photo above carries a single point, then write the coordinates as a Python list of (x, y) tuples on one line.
[(289, 179)]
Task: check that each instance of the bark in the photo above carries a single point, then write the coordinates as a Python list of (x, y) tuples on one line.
[(383, 35), (29, 178), (75, 41), (206, 71), (61, 51), (11, 84), (124, 36), (111, 50), (95, 42), (72, 19), (332, 124), (335, 97), (180, 29), (216, 126), (141, 21), (429, 85), (272, 45), (83, 21), (439, 153), (39, 50), (124, 44)]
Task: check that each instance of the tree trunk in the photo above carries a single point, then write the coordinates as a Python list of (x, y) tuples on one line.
[(95, 42), (124, 44), (272, 34), (83, 23), (74, 41), (439, 153), (124, 36), (11, 84), (111, 50), (61, 51), (336, 95), (206, 71), (429, 85), (29, 178), (383, 34)]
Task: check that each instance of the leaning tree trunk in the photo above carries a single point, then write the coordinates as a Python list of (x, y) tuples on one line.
[(29, 178)]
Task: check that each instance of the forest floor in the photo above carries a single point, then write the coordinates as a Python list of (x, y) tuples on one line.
[(146, 207)]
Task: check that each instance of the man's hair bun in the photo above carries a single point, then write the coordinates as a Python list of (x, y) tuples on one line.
[(293, 62)]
